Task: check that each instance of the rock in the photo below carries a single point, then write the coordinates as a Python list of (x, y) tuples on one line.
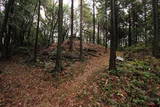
[(71, 56), (120, 58)]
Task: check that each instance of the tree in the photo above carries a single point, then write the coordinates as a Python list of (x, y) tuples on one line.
[(156, 41), (72, 24), (58, 66), (81, 29), (112, 64), (117, 24), (145, 19), (3, 32), (37, 32), (129, 32), (94, 22), (106, 29), (98, 34)]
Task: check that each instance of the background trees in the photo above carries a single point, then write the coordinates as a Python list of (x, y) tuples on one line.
[(133, 19), (37, 31), (4, 47)]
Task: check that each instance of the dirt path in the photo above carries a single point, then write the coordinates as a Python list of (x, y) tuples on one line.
[(66, 92), (31, 87)]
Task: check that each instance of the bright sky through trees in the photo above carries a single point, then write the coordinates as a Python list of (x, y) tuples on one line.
[(76, 2), (68, 2)]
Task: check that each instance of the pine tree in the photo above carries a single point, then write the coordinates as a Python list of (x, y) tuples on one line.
[(156, 41), (81, 29), (72, 24), (94, 22), (112, 64), (58, 66)]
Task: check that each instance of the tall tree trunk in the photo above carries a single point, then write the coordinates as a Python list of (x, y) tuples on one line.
[(104, 38), (117, 24), (51, 30), (156, 41), (37, 32), (130, 27), (7, 38), (58, 66), (94, 22), (145, 20), (98, 34), (134, 25), (106, 30), (4, 24), (112, 64), (21, 34), (7, 41), (81, 29), (72, 24)]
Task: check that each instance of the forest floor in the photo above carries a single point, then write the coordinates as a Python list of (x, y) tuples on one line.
[(26, 85), (136, 83)]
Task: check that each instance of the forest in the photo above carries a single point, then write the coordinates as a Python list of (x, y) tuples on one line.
[(79, 53)]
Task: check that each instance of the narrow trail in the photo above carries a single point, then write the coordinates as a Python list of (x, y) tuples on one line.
[(66, 92), (22, 86)]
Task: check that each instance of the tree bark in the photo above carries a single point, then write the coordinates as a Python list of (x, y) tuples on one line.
[(117, 24), (130, 27), (81, 28), (145, 20), (156, 41), (106, 30), (8, 36), (72, 24), (112, 64), (58, 66), (52, 26), (94, 22), (134, 24), (98, 34)]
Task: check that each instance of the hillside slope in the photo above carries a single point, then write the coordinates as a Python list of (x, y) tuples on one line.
[(26, 85)]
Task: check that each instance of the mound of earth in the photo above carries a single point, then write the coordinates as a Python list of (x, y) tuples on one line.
[(89, 49)]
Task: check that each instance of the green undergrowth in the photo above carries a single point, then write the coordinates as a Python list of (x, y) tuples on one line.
[(138, 48), (134, 83)]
